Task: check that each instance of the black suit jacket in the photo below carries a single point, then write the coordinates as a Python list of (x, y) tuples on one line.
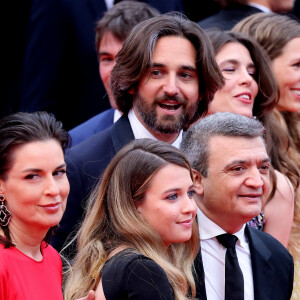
[(85, 164), (272, 266), (226, 18)]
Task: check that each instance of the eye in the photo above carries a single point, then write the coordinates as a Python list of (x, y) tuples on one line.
[(172, 196), (156, 73), (106, 59), (229, 70), (32, 176), (191, 193), (186, 75), (61, 172), (296, 65), (265, 168), (238, 169)]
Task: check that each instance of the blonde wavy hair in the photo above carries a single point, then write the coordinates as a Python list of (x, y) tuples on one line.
[(112, 221)]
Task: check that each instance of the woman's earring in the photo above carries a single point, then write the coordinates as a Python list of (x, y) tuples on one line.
[(5, 214)]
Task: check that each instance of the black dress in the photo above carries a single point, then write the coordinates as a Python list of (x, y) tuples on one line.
[(128, 275)]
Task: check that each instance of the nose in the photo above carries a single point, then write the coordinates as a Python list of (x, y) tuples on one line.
[(171, 85), (254, 179), (51, 187), (189, 206), (245, 78)]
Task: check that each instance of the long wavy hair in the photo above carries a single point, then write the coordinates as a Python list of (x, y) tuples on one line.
[(273, 32), (112, 221)]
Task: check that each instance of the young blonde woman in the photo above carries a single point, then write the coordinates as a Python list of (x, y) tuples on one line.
[(139, 237)]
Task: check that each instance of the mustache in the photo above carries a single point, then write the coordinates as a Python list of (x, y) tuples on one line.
[(176, 98)]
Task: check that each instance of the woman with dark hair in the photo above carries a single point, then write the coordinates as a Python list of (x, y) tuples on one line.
[(139, 238), (250, 89), (33, 195)]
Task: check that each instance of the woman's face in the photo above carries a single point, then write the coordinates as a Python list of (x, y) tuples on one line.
[(168, 206), (240, 89), (36, 187), (286, 68)]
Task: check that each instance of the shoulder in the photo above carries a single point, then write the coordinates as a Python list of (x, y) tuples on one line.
[(261, 242), (135, 274), (92, 126)]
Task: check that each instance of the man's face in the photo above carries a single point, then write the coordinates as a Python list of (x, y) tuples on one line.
[(237, 181), (168, 94), (108, 50)]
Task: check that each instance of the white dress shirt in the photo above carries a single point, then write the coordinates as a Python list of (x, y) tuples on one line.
[(213, 257), (261, 7), (141, 132)]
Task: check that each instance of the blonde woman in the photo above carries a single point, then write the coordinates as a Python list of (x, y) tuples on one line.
[(139, 238)]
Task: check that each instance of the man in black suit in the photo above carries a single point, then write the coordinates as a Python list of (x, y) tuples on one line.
[(165, 76), (60, 68), (231, 172), (234, 11)]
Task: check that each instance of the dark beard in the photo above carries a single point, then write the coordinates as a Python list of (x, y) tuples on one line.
[(167, 124)]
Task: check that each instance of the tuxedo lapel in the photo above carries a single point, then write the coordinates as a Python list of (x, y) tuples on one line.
[(121, 133), (263, 272)]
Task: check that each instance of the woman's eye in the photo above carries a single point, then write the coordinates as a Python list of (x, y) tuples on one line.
[(32, 176), (59, 173), (191, 193), (172, 196)]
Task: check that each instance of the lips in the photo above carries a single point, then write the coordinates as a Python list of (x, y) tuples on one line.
[(245, 97), (296, 91), (169, 105)]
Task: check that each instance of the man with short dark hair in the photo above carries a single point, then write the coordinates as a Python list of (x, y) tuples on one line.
[(111, 32), (164, 78), (231, 172)]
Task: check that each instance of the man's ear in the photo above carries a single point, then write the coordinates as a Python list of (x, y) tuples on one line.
[(198, 182)]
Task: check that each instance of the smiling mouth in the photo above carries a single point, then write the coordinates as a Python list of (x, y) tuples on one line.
[(168, 106)]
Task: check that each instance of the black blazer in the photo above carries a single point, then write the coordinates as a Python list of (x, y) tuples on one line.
[(85, 164), (272, 266), (226, 18)]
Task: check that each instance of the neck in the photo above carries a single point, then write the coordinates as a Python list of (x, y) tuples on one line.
[(28, 241)]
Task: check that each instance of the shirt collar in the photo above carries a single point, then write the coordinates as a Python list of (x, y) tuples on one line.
[(261, 7), (208, 229), (140, 131)]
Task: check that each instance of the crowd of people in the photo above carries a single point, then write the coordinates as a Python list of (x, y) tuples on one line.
[(184, 185)]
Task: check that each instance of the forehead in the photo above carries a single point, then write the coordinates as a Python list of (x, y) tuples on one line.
[(233, 51), (109, 42), (174, 49), (40, 152), (224, 149), (292, 48)]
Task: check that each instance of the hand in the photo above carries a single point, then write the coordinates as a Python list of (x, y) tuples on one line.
[(90, 296)]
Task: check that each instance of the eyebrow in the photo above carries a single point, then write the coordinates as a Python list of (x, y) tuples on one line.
[(241, 162), (39, 170), (158, 65), (177, 189), (236, 62)]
